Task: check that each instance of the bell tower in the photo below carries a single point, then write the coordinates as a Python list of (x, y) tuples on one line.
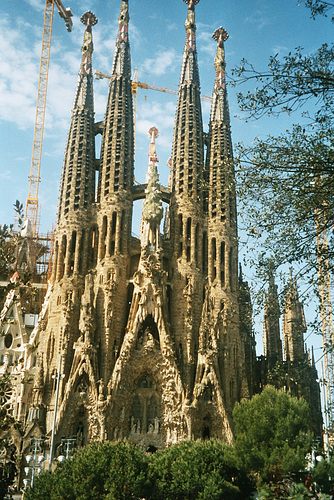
[(188, 223)]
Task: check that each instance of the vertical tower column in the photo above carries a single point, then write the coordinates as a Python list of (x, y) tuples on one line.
[(187, 202), (115, 198)]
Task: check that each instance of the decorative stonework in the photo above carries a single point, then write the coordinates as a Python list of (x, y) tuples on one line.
[(153, 333)]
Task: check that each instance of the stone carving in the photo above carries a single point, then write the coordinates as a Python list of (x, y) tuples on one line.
[(87, 313)]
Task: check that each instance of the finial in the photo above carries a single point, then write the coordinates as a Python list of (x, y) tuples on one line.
[(153, 133), (123, 20), (220, 35), (190, 24), (88, 19), (191, 3)]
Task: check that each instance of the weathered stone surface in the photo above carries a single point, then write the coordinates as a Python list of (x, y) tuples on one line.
[(155, 333)]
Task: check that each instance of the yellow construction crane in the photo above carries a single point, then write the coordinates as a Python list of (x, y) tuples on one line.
[(141, 85), (31, 210), (135, 85)]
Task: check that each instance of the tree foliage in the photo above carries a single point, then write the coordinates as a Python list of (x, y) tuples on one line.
[(285, 182), (286, 190), (323, 474), (122, 471), (8, 242), (318, 7), (102, 470), (199, 470), (288, 84), (272, 429)]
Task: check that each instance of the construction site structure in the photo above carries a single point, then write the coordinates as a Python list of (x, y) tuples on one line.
[(149, 338), (326, 316), (147, 86), (31, 209)]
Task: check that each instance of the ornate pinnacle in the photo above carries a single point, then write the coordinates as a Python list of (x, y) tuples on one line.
[(89, 19), (152, 206), (124, 17), (153, 133), (220, 35), (191, 3), (190, 24), (123, 20)]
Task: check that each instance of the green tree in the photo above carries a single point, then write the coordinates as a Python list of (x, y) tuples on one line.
[(201, 470), (286, 192), (323, 474), (285, 183), (318, 7), (272, 429), (9, 240), (102, 470)]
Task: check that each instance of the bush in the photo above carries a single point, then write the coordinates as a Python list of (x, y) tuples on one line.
[(201, 470), (102, 470), (272, 429)]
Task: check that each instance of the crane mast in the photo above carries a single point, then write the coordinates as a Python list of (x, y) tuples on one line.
[(326, 315), (31, 210)]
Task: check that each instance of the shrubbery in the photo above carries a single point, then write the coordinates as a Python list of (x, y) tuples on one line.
[(190, 470)]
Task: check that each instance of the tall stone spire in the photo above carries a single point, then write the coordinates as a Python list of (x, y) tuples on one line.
[(294, 325), (78, 178), (222, 242), (77, 190), (117, 151), (272, 344), (115, 200), (188, 228), (219, 110), (187, 155), (223, 247)]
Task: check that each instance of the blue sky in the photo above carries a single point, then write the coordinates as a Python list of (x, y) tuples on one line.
[(257, 30)]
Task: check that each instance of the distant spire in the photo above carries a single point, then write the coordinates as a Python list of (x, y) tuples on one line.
[(190, 24), (294, 324), (220, 110), (188, 131), (220, 35), (272, 343), (152, 206), (189, 66), (84, 95), (219, 161), (122, 63), (89, 20), (116, 159), (78, 177)]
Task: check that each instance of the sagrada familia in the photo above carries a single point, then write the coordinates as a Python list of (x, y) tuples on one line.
[(150, 338)]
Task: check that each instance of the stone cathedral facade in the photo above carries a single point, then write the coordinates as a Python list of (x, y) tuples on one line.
[(153, 334)]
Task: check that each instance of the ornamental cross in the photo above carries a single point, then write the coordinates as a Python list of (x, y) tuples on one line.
[(220, 35), (191, 3), (88, 18)]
